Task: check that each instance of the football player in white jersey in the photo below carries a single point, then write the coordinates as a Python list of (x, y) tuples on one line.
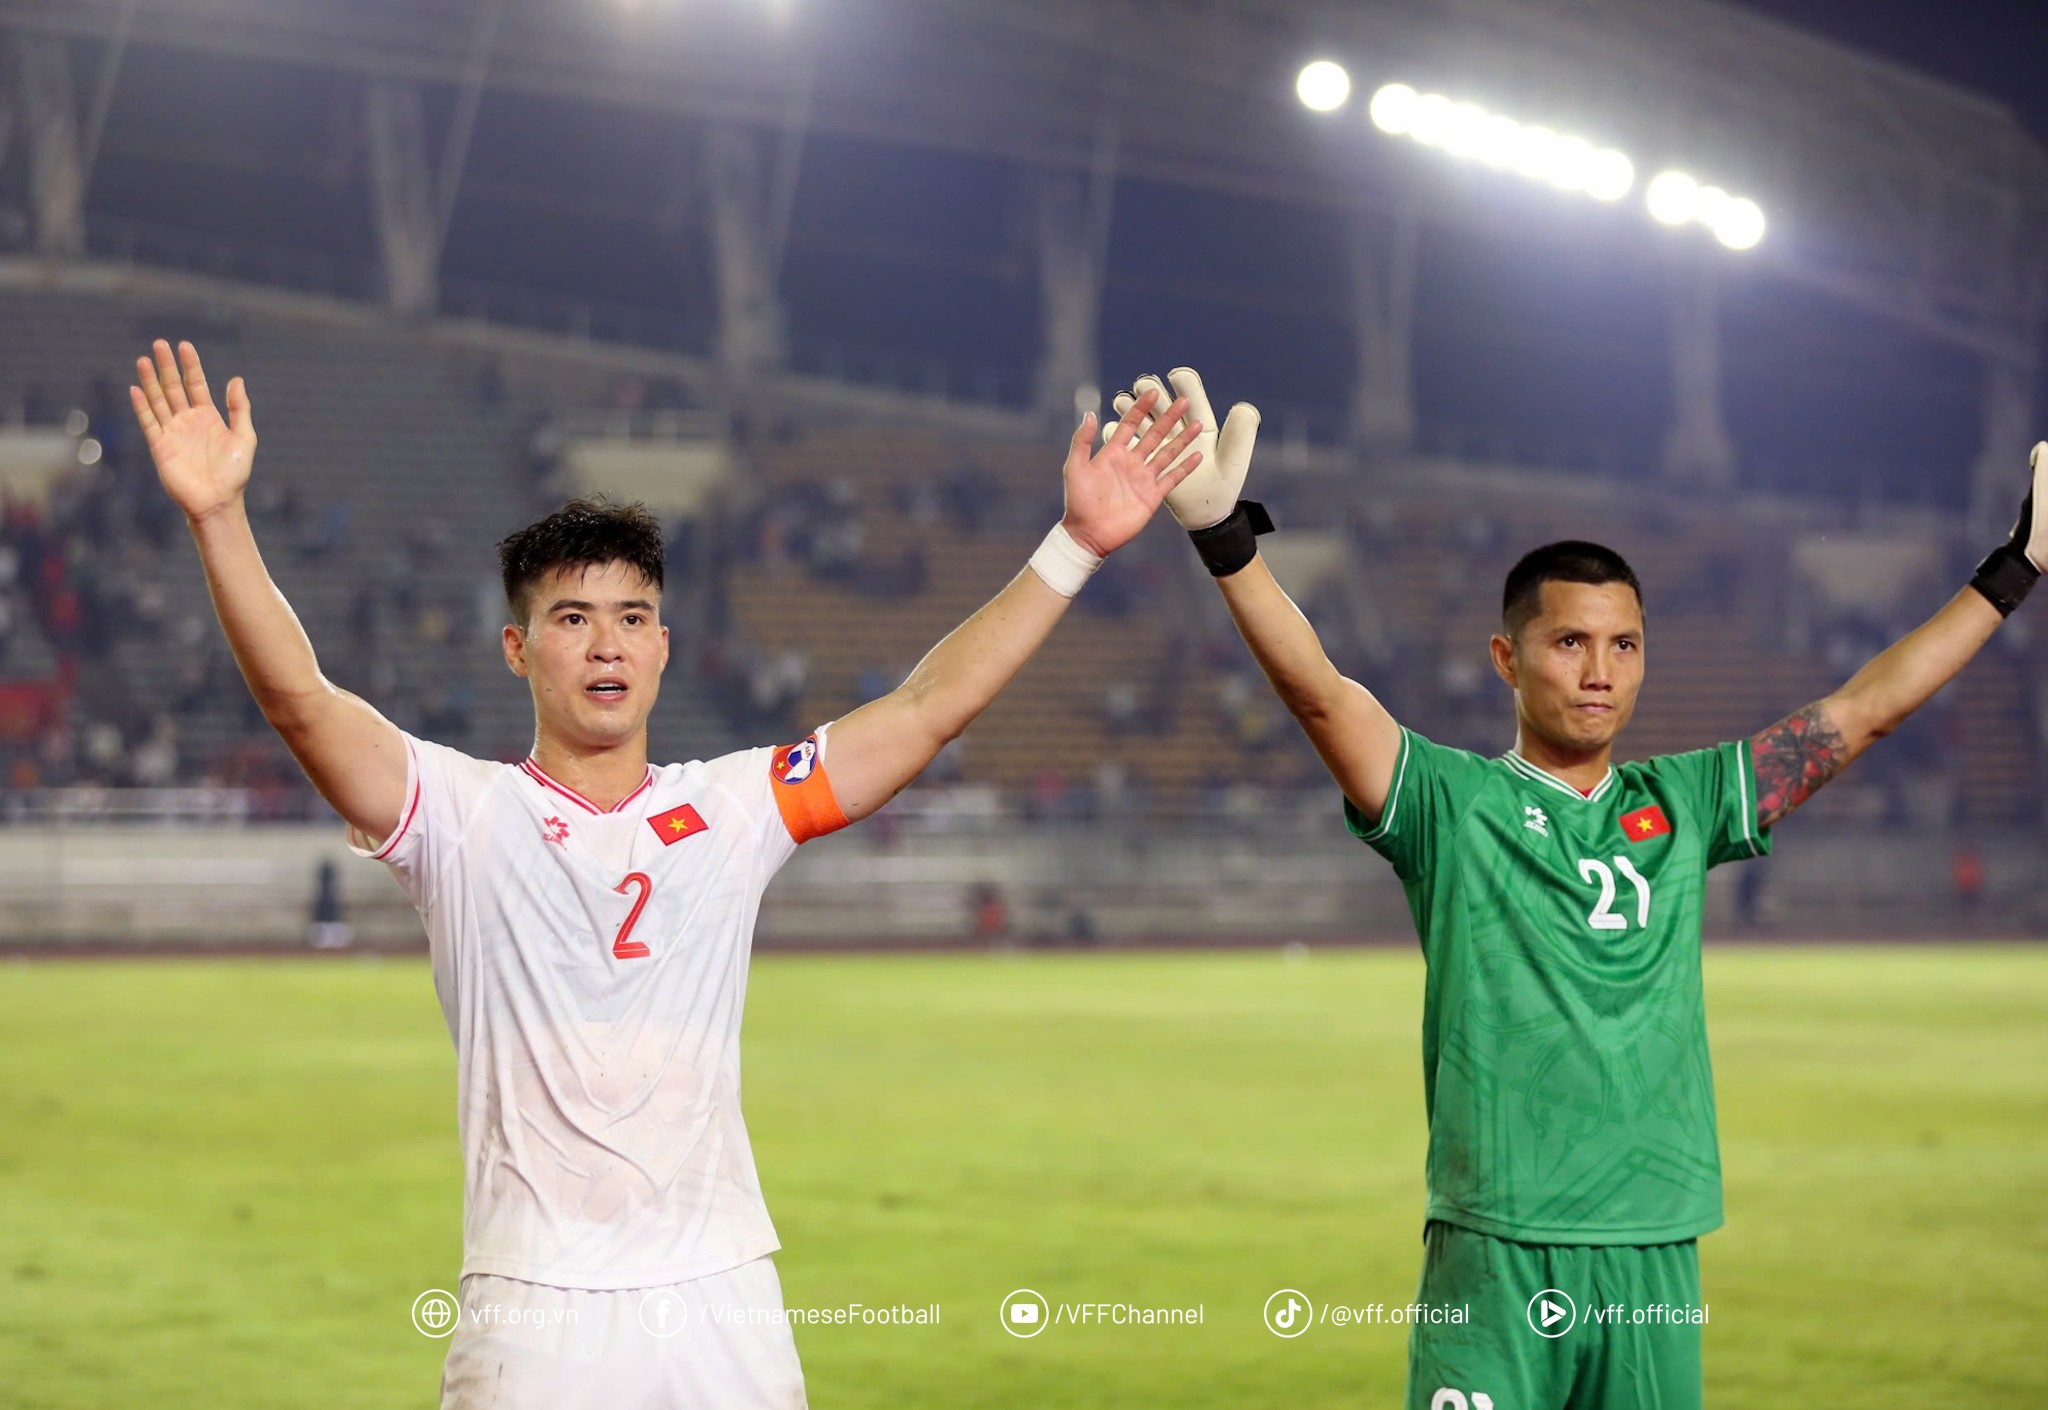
[(590, 917)]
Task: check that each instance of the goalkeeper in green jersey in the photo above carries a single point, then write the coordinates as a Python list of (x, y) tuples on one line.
[(1573, 1159)]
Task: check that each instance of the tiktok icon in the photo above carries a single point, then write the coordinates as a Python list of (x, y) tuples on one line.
[(1289, 1313)]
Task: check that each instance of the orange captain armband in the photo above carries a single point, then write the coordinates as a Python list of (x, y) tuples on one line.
[(803, 795)]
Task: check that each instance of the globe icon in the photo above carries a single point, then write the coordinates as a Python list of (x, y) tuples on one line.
[(434, 1313)]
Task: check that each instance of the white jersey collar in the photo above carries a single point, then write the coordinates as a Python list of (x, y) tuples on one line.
[(539, 775)]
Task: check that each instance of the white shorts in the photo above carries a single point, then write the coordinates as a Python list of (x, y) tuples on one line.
[(716, 1343)]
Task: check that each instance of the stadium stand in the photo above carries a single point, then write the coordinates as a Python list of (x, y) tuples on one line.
[(845, 559)]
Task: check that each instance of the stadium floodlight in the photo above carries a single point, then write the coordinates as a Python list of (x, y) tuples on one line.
[(1471, 133), (1561, 160), (1613, 175), (1571, 164), (1393, 109), (1496, 141), (1323, 86), (1673, 198), (1435, 116), (1677, 199), (1537, 148), (1741, 226)]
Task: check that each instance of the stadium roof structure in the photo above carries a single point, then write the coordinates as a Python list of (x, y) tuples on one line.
[(1890, 192), (1900, 193)]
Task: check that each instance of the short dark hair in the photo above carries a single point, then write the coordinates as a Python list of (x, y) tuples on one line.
[(1568, 561), (584, 533)]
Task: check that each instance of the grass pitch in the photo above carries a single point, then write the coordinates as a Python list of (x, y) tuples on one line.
[(223, 1183)]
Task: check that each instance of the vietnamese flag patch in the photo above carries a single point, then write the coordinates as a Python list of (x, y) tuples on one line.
[(1645, 823), (677, 823)]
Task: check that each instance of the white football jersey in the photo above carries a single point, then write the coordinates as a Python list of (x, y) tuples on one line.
[(592, 966)]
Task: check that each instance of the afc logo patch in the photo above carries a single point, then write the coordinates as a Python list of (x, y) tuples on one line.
[(796, 763)]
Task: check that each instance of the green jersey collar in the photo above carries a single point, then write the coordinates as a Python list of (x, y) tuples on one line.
[(1535, 775)]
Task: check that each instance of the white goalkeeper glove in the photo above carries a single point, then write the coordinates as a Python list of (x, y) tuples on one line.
[(2009, 574), (1205, 498)]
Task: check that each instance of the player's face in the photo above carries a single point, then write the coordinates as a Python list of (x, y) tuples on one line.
[(1577, 665), (593, 649)]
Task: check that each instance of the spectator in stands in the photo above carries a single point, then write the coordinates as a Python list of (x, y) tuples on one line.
[(328, 927), (105, 759), (1047, 798), (1119, 708), (194, 683), (835, 549), (1749, 895), (106, 410), (155, 761), (991, 913), (1966, 872), (57, 755), (916, 501)]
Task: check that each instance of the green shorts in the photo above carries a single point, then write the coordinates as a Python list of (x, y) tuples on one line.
[(1625, 1335)]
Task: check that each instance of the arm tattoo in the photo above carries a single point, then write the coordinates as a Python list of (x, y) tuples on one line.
[(1794, 757)]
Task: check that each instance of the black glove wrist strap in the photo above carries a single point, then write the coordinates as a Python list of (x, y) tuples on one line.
[(2005, 578), (1228, 546)]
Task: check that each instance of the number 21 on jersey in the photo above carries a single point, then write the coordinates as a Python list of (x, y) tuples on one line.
[(1604, 916)]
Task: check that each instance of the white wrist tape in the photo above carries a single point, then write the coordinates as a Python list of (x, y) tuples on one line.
[(1062, 564)]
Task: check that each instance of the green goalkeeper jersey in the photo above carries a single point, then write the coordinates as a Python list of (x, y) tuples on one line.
[(1564, 1036)]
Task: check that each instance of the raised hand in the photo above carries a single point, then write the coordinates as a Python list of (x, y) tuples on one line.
[(202, 460), (1207, 498), (1112, 493)]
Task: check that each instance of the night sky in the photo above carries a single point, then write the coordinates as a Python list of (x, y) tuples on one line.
[(1992, 46)]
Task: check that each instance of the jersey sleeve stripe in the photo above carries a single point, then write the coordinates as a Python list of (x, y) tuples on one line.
[(1745, 797), (411, 811), (1393, 794)]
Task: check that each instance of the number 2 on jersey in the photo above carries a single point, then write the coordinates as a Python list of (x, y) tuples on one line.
[(625, 947), (1603, 917)]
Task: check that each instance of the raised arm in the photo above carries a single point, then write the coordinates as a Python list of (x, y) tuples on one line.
[(878, 749), (1801, 752), (354, 756), (1358, 740)]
